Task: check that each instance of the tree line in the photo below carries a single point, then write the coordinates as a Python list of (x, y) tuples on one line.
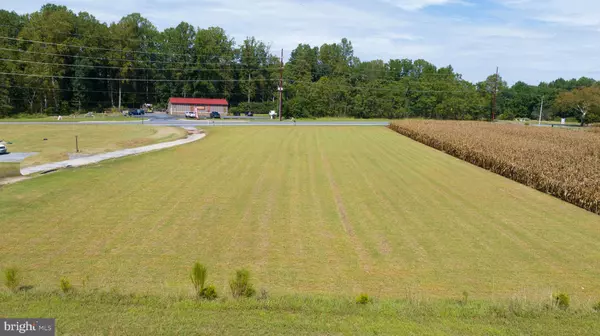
[(55, 61)]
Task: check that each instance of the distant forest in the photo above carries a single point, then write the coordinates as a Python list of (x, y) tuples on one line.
[(55, 61)]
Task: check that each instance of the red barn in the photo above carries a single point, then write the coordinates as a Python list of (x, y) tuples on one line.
[(203, 106)]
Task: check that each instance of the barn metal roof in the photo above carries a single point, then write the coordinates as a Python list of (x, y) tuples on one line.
[(198, 101)]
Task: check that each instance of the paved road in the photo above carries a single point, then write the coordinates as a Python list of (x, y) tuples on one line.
[(15, 157), (164, 120)]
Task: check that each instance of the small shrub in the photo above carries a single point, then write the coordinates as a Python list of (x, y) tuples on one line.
[(363, 299), (240, 285), (12, 279), (198, 277), (562, 300), (596, 307), (65, 285), (208, 293)]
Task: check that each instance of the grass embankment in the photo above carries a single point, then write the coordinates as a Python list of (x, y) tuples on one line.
[(113, 314), (92, 139), (562, 163), (308, 210)]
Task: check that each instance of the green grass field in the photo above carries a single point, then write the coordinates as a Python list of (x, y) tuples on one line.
[(308, 210), (92, 139)]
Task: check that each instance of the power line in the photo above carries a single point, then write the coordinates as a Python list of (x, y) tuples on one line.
[(99, 91), (122, 59), (400, 90), (129, 68), (88, 47), (138, 79), (99, 58)]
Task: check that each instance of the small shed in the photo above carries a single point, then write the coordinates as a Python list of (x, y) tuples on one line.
[(201, 106)]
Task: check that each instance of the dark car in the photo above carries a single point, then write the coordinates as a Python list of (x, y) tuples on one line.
[(249, 114), (215, 115), (136, 112)]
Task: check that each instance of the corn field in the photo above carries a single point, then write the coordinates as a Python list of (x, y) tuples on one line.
[(560, 162)]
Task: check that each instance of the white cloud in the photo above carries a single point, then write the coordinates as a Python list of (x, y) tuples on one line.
[(570, 13), (413, 5)]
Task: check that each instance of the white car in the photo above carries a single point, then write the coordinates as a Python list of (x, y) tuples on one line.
[(190, 114), (3, 149)]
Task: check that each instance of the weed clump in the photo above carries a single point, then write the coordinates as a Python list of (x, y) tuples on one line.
[(209, 293), (596, 307), (240, 285), (363, 299), (12, 279), (198, 278), (562, 300), (65, 285)]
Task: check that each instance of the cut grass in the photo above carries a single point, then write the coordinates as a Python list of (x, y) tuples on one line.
[(331, 210), (109, 313), (92, 139)]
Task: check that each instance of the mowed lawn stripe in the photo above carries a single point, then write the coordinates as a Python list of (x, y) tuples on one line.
[(334, 210)]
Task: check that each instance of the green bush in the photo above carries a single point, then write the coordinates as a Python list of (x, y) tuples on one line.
[(596, 307), (12, 279), (562, 300), (208, 293), (363, 299), (240, 285), (198, 277), (65, 285)]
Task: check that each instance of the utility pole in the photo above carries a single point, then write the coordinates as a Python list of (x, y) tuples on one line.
[(541, 109), (494, 98), (249, 79), (281, 87), (119, 96)]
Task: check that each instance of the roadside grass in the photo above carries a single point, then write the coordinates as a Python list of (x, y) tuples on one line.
[(92, 139), (71, 118), (101, 313), (307, 210), (341, 119)]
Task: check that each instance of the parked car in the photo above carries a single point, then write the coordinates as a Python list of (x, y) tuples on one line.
[(215, 115), (3, 149), (190, 114), (136, 112), (249, 114)]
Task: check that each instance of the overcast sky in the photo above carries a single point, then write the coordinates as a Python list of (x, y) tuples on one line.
[(530, 40)]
